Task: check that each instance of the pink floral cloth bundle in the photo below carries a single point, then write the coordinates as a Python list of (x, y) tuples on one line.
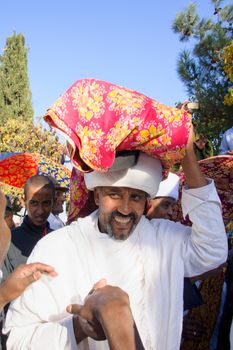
[(99, 119)]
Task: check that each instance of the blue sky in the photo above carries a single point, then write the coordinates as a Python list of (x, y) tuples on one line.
[(126, 42)]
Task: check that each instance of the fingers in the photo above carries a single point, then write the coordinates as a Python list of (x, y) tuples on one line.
[(39, 268), (100, 284), (74, 309)]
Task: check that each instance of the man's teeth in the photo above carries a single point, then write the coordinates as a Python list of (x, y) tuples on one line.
[(122, 220)]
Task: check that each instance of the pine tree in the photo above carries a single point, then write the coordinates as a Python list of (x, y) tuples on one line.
[(202, 68), (15, 93), (228, 68)]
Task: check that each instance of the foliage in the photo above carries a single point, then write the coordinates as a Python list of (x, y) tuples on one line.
[(228, 68), (26, 137), (15, 93), (201, 68)]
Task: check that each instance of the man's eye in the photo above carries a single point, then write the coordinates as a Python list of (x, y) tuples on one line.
[(138, 197), (47, 202), (114, 195)]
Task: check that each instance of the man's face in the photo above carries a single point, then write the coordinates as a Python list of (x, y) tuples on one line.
[(120, 209), (58, 202), (160, 208), (39, 202)]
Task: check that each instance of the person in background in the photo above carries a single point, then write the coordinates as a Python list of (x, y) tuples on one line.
[(60, 197), (203, 147), (226, 146), (167, 195), (38, 198)]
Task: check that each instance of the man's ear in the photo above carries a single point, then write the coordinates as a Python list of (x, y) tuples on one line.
[(96, 195), (147, 205)]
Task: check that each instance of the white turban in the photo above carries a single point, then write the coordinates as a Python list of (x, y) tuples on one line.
[(169, 187), (145, 175)]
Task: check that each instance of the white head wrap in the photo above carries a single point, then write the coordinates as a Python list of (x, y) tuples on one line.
[(145, 175), (169, 187)]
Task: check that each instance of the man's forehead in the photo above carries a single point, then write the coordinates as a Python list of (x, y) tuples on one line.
[(34, 189), (120, 189)]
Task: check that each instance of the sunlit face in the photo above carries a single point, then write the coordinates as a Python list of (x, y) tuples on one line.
[(160, 208), (39, 202), (120, 209), (60, 198)]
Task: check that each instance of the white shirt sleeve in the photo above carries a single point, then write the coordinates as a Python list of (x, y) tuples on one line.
[(206, 247)]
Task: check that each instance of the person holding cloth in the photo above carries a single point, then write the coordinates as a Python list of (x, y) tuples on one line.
[(146, 259)]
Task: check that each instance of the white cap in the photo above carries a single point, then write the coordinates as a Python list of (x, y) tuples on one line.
[(145, 175), (169, 187)]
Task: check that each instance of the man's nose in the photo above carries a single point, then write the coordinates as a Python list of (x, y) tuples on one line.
[(40, 209), (124, 207)]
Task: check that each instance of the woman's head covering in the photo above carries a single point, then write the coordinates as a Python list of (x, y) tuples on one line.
[(169, 187), (145, 174)]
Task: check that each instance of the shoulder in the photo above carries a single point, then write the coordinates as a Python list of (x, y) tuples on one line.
[(165, 228), (17, 234), (16, 230)]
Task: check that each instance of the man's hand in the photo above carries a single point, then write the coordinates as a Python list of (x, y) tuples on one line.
[(194, 177), (107, 314), (20, 279), (84, 322)]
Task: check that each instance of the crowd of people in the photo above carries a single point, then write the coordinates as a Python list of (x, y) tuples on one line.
[(126, 276)]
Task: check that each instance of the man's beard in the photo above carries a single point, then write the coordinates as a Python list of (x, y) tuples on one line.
[(121, 237)]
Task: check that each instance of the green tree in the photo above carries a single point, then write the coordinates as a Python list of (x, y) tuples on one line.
[(15, 93), (201, 67), (23, 137), (228, 68)]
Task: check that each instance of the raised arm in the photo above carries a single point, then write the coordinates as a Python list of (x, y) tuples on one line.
[(206, 248), (194, 177)]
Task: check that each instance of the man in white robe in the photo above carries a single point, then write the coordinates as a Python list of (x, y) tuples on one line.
[(147, 259)]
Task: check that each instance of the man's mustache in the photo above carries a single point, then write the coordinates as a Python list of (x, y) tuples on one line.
[(132, 215)]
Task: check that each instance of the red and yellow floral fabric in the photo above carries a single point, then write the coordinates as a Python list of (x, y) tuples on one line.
[(99, 118), (16, 169), (220, 169)]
